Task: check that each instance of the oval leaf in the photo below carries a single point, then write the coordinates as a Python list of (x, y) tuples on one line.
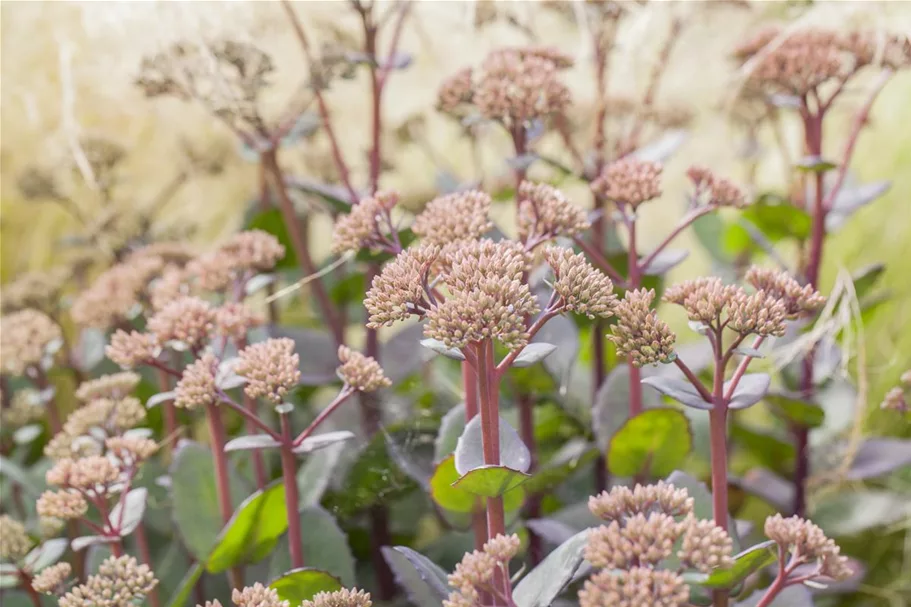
[(750, 560), (90, 540), (533, 353), (491, 481), (439, 347), (299, 585), (259, 520), (321, 441), (546, 581), (253, 442), (469, 453), (445, 494), (878, 456), (46, 554), (325, 547), (134, 506), (425, 582), (161, 397), (796, 410), (664, 261), (26, 434), (750, 390), (680, 390), (653, 443)]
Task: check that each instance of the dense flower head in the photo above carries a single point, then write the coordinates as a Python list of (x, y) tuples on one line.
[(489, 297), (27, 336), (115, 294), (196, 387), (130, 350), (113, 415), (711, 189), (639, 333), (398, 291), (39, 290), (115, 385), (52, 580), (582, 288), (234, 320), (87, 473), (173, 283), (340, 598), (454, 217), (361, 227), (131, 450), (639, 540), (188, 320), (638, 587), (270, 367), (66, 504), (120, 581), (807, 542), (361, 372), (26, 407), (14, 540), (475, 571), (797, 299), (253, 250), (71, 446), (704, 298), (544, 212), (516, 86), (622, 501), (629, 181), (455, 91), (705, 546), (257, 595), (758, 313)]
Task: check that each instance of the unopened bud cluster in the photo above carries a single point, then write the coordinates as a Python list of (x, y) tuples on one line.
[(807, 543), (196, 387), (52, 580), (120, 581), (366, 225), (639, 333), (361, 372), (544, 212), (14, 540), (711, 189), (27, 337), (271, 368), (643, 526), (582, 288), (454, 218), (629, 182), (116, 385), (475, 573)]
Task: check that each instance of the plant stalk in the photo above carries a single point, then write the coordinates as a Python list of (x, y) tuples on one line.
[(289, 476), (634, 281), (478, 518), (142, 542), (168, 412), (222, 482), (719, 454)]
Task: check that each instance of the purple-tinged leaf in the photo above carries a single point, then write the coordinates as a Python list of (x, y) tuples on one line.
[(750, 390), (664, 261), (878, 456), (253, 442), (680, 390), (321, 441), (769, 487)]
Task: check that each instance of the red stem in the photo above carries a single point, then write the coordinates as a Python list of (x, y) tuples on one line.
[(289, 475), (222, 482), (26, 582), (168, 412), (259, 464), (269, 159), (470, 384), (145, 554), (634, 282), (488, 389), (719, 453), (346, 392)]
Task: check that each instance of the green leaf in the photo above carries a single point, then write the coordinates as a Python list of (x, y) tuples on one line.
[(272, 221), (796, 410), (710, 230), (866, 278), (653, 443), (847, 513), (314, 476), (460, 500), (775, 218), (325, 546), (258, 521), (451, 427), (195, 497), (491, 481), (772, 451), (611, 408), (815, 164), (182, 594), (533, 353), (469, 453), (680, 390), (752, 559), (545, 582), (302, 584), (426, 584)]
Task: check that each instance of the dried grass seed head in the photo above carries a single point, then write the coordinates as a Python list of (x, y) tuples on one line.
[(397, 292), (639, 333), (582, 288), (361, 372), (629, 181), (545, 212), (454, 218), (271, 368), (26, 338), (362, 227), (115, 385)]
